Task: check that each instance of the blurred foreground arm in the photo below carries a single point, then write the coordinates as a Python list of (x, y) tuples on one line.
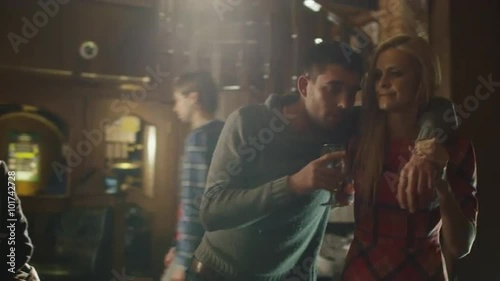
[(12, 220)]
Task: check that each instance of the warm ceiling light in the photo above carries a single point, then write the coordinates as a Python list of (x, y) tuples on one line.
[(313, 5), (334, 18), (232, 88)]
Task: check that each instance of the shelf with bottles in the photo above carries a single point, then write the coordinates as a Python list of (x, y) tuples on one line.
[(130, 155)]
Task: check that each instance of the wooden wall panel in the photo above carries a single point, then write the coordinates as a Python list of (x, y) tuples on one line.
[(54, 99), (440, 38), (401, 16), (123, 33), (29, 42), (162, 206), (474, 53)]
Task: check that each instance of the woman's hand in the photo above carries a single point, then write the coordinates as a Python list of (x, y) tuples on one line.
[(415, 188), (432, 151), (420, 175)]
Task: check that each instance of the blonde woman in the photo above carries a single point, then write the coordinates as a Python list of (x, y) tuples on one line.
[(395, 239)]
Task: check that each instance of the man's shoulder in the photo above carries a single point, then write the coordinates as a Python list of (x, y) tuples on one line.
[(256, 114), (212, 126), (247, 116), (201, 136)]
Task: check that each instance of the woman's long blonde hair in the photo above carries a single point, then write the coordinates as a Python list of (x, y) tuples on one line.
[(372, 144)]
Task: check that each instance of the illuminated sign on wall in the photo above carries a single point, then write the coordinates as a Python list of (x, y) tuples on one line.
[(24, 156)]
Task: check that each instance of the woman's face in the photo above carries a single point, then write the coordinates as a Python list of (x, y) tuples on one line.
[(396, 80)]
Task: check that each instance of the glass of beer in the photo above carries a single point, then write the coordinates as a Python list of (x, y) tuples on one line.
[(337, 164)]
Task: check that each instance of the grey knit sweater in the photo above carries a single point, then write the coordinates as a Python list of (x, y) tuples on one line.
[(257, 228)]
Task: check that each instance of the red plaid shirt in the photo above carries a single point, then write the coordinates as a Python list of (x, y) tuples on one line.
[(391, 244)]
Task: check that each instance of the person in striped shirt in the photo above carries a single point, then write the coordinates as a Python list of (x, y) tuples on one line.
[(195, 103)]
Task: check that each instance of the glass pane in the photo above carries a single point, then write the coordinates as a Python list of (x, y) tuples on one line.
[(130, 155)]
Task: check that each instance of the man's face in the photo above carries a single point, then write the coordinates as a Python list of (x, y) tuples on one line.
[(328, 97), (184, 106)]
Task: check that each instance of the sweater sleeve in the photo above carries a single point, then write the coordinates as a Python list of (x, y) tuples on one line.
[(438, 120), (227, 202)]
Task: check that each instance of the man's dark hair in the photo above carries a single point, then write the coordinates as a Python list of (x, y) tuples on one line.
[(202, 83), (323, 54)]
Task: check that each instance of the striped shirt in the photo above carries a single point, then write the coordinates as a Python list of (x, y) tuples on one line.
[(198, 149)]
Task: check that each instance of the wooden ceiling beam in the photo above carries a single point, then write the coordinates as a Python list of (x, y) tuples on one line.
[(352, 15)]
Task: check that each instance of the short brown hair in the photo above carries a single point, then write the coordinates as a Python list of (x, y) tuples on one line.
[(323, 54), (202, 83)]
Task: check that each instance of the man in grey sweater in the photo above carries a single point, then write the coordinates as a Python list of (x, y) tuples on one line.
[(262, 206)]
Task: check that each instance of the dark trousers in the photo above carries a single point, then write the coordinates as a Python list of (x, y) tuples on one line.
[(200, 272), (191, 276)]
